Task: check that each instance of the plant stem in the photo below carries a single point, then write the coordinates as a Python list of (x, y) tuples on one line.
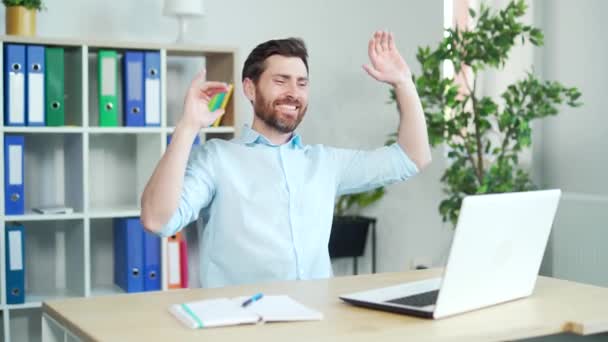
[(479, 167), (505, 142), (477, 134), (470, 156)]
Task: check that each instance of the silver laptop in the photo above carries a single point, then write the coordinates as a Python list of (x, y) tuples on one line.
[(498, 246)]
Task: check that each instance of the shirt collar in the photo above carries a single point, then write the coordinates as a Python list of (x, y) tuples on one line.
[(251, 136)]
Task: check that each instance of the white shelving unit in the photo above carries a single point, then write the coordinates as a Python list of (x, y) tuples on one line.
[(99, 171)]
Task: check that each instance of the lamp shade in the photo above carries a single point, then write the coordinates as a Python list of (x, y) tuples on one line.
[(183, 8)]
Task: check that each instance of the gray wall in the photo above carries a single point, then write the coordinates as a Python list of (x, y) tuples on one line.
[(572, 152), (575, 52), (347, 107), (568, 150)]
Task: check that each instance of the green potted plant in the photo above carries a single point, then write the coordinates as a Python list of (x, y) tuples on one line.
[(20, 16), (352, 204), (484, 137), (349, 228)]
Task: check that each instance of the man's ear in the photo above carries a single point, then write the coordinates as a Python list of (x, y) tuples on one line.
[(249, 89)]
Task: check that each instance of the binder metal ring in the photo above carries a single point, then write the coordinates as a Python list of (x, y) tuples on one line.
[(55, 104), (16, 66), (135, 110), (109, 106), (15, 197), (135, 272), (36, 67)]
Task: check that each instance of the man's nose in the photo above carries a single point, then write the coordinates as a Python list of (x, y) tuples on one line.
[(292, 89), (290, 96)]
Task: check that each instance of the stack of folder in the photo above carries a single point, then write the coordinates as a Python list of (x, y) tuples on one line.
[(34, 87), (141, 83), (137, 256)]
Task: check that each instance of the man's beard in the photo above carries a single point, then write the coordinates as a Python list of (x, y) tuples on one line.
[(272, 117)]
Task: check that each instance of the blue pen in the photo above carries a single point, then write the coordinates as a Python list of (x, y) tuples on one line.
[(253, 298)]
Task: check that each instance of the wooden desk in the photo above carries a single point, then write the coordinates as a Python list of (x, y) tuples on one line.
[(556, 306)]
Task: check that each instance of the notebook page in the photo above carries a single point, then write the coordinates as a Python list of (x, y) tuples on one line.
[(212, 313), (280, 308)]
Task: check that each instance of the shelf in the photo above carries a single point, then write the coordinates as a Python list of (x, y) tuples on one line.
[(114, 212), (54, 262), (101, 247), (26, 324), (182, 67), (39, 40), (53, 170), (107, 130), (37, 130), (32, 216), (119, 168), (176, 48), (34, 300), (102, 258), (106, 290), (221, 129), (123, 130), (100, 172), (26, 305), (179, 73)]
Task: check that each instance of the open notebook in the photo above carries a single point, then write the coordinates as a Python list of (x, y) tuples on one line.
[(223, 311)]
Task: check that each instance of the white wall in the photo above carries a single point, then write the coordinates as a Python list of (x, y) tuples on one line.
[(347, 107)]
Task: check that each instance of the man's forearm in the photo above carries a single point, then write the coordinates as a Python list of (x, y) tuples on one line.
[(412, 134), (161, 195)]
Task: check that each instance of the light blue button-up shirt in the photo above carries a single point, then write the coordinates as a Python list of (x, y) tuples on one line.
[(268, 209)]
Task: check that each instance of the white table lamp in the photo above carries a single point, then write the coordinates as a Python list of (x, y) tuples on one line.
[(183, 9)]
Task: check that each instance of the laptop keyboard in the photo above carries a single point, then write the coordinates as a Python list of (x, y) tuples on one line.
[(421, 299)]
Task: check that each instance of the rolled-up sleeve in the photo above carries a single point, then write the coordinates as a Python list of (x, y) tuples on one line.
[(358, 171), (197, 192)]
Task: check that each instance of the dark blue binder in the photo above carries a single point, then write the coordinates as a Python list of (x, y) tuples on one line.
[(15, 264), (34, 95), (197, 140), (14, 84), (152, 265), (14, 201), (133, 87), (152, 87), (128, 254)]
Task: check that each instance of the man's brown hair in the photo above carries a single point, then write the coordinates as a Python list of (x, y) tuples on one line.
[(290, 47)]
